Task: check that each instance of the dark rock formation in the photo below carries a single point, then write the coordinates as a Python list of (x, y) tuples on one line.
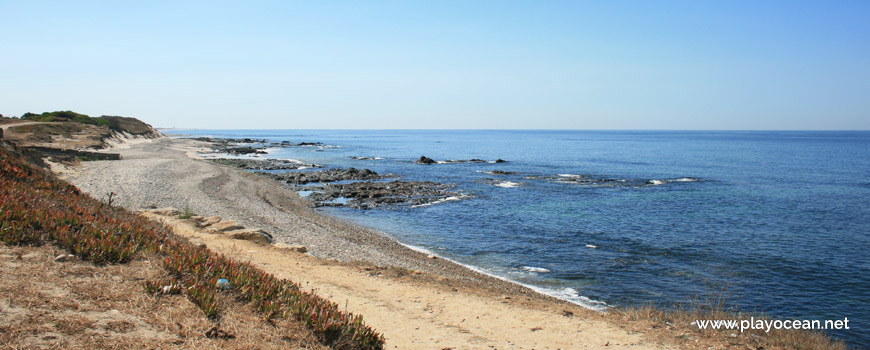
[(243, 150), (264, 164), (233, 146), (427, 160), (244, 146), (601, 181), (424, 160), (370, 195), (330, 175)]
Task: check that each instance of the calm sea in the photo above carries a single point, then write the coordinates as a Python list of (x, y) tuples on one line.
[(776, 222)]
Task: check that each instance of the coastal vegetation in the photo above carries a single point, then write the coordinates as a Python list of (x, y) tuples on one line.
[(129, 125), (64, 116), (37, 209)]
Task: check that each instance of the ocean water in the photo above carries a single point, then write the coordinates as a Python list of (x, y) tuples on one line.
[(775, 222)]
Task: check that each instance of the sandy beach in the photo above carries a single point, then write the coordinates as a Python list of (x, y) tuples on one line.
[(417, 301)]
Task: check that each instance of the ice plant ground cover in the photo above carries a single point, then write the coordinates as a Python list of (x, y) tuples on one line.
[(37, 208)]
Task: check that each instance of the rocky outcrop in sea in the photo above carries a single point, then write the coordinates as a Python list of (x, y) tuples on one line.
[(427, 160), (330, 175), (370, 195), (264, 164)]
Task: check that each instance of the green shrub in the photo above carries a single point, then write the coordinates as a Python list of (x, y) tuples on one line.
[(65, 116)]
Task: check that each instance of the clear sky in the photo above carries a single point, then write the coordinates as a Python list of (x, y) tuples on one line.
[(443, 64)]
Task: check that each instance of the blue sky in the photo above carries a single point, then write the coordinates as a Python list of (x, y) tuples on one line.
[(443, 64)]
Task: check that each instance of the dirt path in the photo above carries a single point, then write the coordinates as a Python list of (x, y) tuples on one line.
[(12, 125)]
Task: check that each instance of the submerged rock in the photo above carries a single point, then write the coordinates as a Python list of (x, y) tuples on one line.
[(427, 160), (500, 172), (601, 181)]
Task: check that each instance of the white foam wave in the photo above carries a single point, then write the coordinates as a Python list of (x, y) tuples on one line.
[(656, 182), (571, 295), (686, 179), (568, 294), (570, 175), (534, 269), (507, 184)]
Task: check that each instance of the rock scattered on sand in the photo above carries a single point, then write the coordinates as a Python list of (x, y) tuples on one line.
[(211, 220), (225, 226), (292, 247), (168, 211), (252, 234)]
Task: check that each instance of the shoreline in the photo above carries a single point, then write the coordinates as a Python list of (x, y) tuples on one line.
[(580, 300), (384, 247), (159, 172), (415, 300), (569, 295)]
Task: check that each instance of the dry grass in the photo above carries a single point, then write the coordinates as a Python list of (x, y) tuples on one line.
[(60, 134), (675, 325), (76, 305)]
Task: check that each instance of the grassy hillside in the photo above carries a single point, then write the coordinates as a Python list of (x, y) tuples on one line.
[(126, 124), (120, 124), (64, 116)]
